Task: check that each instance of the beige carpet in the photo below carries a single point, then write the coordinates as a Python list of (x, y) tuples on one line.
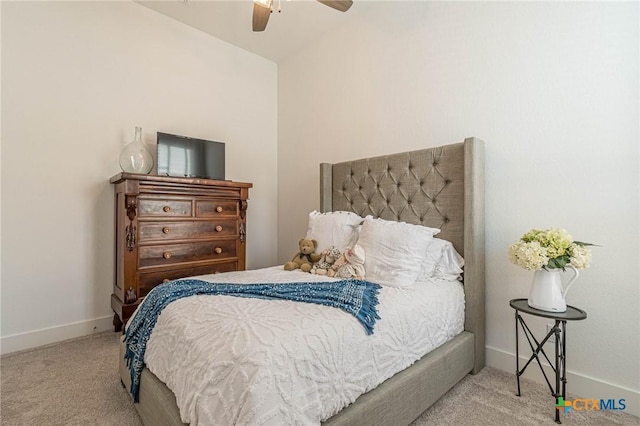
[(76, 383)]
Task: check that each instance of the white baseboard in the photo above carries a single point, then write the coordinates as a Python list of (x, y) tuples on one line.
[(46, 336), (577, 384)]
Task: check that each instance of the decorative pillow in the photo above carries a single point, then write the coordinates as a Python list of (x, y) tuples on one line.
[(442, 261), (338, 229), (394, 251)]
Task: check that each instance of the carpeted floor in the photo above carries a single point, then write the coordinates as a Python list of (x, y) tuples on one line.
[(76, 383)]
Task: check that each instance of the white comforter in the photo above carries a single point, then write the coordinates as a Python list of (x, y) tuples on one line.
[(242, 361)]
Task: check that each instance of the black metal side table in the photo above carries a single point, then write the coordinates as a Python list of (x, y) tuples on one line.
[(558, 330)]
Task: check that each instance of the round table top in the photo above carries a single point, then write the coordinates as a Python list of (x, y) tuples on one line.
[(572, 313)]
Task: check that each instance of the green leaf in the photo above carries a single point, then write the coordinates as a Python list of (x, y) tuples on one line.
[(559, 262), (562, 261), (581, 243)]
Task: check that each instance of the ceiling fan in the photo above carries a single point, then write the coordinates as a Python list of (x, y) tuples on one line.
[(262, 10)]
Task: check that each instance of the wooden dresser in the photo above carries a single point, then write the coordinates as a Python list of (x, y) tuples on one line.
[(171, 227)]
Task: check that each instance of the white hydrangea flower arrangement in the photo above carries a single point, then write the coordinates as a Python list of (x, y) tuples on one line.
[(549, 249)]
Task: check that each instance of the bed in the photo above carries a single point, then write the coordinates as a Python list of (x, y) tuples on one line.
[(441, 187)]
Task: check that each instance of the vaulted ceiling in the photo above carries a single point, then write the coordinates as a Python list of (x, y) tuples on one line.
[(299, 23)]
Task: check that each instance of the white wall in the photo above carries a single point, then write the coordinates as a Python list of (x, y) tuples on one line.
[(76, 78), (552, 89)]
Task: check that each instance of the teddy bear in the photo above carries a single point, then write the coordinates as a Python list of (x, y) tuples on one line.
[(323, 266), (305, 258), (350, 264)]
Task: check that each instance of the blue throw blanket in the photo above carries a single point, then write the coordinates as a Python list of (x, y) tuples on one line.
[(358, 298)]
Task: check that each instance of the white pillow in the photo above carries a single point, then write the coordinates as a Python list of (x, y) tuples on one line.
[(442, 261), (394, 251), (338, 229)]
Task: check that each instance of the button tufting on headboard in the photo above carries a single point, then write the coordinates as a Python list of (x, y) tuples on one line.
[(405, 187)]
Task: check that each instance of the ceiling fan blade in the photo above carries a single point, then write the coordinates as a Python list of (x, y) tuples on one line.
[(341, 5), (260, 16)]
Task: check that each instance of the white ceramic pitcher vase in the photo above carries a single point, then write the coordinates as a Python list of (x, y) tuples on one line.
[(547, 292)]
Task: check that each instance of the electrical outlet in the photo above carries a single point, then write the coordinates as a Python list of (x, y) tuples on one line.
[(552, 339)]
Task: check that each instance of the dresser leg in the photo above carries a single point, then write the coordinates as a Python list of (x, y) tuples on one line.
[(117, 324)]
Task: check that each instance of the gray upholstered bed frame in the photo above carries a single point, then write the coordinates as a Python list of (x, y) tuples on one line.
[(441, 187)]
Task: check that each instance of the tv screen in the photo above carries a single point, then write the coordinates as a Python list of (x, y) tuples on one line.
[(190, 157)]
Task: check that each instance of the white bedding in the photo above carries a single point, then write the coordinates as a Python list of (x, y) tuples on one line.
[(232, 360)]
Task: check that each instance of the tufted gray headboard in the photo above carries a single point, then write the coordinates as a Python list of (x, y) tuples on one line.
[(440, 187)]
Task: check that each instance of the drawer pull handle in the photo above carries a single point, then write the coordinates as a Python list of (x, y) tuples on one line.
[(219, 209), (165, 230), (166, 254), (218, 250), (167, 209), (166, 280), (218, 228)]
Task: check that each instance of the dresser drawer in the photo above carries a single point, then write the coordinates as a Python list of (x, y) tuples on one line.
[(167, 231), (213, 208), (148, 207), (149, 280), (171, 254)]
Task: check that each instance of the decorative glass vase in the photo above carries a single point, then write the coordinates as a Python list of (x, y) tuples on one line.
[(135, 157), (547, 292)]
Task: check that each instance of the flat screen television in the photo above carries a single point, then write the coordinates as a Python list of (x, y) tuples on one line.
[(190, 157)]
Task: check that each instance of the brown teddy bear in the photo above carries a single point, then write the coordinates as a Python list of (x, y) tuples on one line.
[(305, 258)]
